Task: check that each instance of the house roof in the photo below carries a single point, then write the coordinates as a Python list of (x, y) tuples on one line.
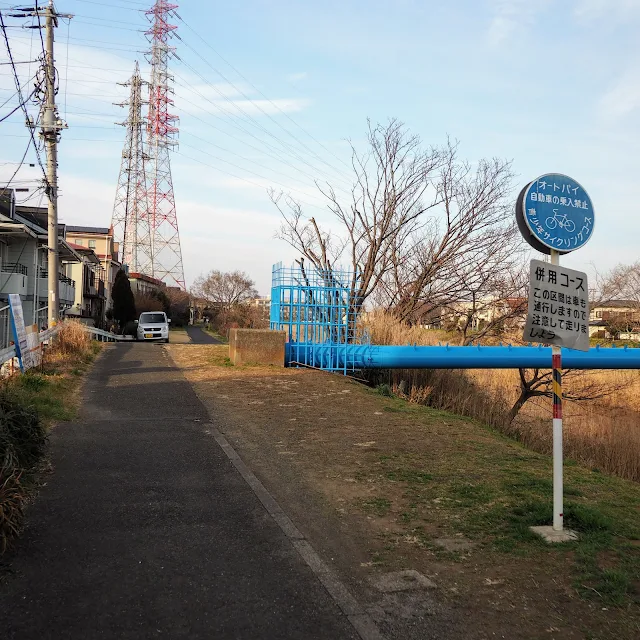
[(85, 251), (101, 231), (617, 304), (144, 277)]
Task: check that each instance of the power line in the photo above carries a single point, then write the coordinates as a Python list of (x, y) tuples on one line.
[(208, 44), (285, 148), (19, 106), (23, 105), (233, 175), (111, 5), (15, 93)]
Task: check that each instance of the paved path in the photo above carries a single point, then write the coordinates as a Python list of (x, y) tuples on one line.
[(146, 530), (198, 336)]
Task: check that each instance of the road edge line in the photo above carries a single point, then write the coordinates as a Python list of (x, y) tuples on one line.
[(358, 617)]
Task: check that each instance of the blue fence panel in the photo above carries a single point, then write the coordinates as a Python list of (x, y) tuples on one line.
[(319, 311)]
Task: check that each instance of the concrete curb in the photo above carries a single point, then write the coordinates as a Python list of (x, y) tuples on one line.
[(355, 613)]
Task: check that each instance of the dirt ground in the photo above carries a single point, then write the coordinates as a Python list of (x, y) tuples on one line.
[(378, 485)]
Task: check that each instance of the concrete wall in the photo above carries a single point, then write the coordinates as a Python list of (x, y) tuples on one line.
[(257, 346)]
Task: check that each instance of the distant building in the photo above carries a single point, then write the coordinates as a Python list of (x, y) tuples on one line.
[(100, 239), (263, 305), (144, 284), (615, 319)]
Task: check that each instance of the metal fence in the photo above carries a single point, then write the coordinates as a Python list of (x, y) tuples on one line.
[(6, 334), (319, 311)]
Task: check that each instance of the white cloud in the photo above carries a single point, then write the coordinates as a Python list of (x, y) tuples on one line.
[(611, 10), (510, 17), (623, 97)]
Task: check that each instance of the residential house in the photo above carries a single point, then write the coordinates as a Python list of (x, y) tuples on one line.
[(24, 264), (89, 276), (615, 319), (100, 239), (485, 311)]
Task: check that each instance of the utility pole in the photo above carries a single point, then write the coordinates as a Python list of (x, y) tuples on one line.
[(51, 126), (50, 135)]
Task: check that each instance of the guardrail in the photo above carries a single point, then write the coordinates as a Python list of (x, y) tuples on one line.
[(105, 336), (9, 353)]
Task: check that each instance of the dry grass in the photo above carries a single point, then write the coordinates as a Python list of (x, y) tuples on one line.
[(72, 339), (602, 434)]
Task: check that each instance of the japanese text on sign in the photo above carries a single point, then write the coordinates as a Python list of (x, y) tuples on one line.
[(558, 307), (558, 212)]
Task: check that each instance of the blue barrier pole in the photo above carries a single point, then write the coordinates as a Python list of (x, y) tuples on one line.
[(472, 357)]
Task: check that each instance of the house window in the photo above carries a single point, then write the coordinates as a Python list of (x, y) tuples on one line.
[(598, 314), (92, 244), (80, 242)]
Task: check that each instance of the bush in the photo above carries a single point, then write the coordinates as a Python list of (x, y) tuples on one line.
[(23, 440), (12, 498), (23, 437)]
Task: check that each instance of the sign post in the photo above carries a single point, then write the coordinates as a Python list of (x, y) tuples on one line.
[(558, 479), (555, 216)]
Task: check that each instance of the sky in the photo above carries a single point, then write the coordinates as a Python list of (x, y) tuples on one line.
[(270, 93)]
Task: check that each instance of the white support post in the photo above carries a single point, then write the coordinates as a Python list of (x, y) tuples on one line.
[(558, 490)]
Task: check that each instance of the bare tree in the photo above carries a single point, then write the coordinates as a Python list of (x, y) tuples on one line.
[(618, 291), (623, 283), (577, 386), (224, 290), (392, 192), (420, 227)]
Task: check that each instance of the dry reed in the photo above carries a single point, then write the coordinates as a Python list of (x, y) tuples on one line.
[(72, 339), (603, 433)]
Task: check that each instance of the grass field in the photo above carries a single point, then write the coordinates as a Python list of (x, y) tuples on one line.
[(411, 486), (602, 433)]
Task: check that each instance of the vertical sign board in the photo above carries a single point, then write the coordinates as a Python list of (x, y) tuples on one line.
[(558, 307), (19, 332), (555, 216)]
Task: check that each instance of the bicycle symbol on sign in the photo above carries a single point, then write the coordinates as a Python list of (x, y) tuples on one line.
[(560, 220)]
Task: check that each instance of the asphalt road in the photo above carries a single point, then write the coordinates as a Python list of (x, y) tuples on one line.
[(146, 530), (198, 336)]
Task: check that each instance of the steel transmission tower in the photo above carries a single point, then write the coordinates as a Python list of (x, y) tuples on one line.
[(161, 138), (130, 219)]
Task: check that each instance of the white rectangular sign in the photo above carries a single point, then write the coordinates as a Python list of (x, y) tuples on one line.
[(558, 306), (27, 341)]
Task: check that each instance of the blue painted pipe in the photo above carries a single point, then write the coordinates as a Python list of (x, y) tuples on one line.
[(446, 357)]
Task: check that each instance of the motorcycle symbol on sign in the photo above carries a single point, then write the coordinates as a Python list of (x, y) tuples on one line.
[(560, 220)]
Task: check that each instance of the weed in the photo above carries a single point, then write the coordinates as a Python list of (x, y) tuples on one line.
[(410, 476), (12, 498), (377, 506), (33, 381), (384, 390), (602, 433)]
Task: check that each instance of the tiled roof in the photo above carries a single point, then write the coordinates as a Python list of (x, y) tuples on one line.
[(98, 230)]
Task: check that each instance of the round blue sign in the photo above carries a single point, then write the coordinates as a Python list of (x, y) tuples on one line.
[(558, 212)]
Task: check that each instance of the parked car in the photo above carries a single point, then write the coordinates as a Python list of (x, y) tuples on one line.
[(153, 325)]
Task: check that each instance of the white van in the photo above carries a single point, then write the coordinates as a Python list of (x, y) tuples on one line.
[(153, 325)]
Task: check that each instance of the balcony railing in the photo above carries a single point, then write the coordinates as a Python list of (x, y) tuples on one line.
[(14, 267), (44, 273)]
